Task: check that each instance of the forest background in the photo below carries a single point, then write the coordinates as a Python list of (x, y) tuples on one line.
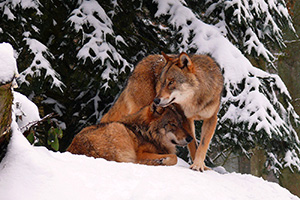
[(75, 57)]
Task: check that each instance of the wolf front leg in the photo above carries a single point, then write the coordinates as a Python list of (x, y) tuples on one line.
[(156, 159), (207, 132), (192, 146)]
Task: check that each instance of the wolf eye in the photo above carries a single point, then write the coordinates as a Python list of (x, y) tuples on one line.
[(170, 83), (172, 124)]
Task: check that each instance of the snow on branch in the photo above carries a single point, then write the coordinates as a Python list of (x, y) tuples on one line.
[(257, 21), (40, 52), (96, 45), (9, 5), (39, 62)]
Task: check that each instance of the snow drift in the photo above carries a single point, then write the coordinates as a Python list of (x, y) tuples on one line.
[(35, 173)]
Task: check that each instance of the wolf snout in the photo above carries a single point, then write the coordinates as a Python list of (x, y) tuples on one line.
[(188, 139), (156, 101)]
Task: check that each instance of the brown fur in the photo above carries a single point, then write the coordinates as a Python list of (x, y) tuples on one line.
[(156, 77), (146, 137), (140, 89)]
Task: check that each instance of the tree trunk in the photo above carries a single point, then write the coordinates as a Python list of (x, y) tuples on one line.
[(6, 99)]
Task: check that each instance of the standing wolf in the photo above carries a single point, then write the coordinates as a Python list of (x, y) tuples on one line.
[(195, 83)]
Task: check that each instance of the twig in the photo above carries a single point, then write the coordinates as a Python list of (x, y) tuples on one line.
[(37, 122), (221, 154), (226, 158)]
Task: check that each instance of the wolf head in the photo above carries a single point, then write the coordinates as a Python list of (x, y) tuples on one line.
[(169, 126), (177, 81)]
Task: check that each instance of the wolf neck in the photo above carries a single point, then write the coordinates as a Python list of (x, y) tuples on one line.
[(135, 129), (192, 107), (137, 121), (145, 136), (139, 124), (196, 105)]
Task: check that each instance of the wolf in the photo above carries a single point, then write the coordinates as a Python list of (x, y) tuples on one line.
[(147, 137), (194, 82)]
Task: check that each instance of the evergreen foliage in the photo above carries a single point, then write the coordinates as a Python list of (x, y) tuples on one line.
[(75, 56)]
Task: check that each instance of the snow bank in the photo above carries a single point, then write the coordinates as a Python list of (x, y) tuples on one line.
[(29, 172), (8, 65), (25, 111)]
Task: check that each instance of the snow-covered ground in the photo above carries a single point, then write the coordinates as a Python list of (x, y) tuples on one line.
[(35, 173)]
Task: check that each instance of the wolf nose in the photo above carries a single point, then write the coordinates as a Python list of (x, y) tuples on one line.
[(189, 138), (156, 101)]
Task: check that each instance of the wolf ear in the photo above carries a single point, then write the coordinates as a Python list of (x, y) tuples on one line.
[(156, 110), (167, 58), (185, 61)]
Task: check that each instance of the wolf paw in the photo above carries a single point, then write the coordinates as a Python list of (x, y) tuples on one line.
[(199, 167), (161, 161), (170, 160)]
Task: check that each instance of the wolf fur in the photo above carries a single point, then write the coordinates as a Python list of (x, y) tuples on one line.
[(194, 82), (147, 137)]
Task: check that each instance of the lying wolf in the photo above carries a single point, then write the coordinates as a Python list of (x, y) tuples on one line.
[(195, 83), (147, 137)]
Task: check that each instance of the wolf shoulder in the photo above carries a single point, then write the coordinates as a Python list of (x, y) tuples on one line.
[(206, 63), (149, 67), (208, 69)]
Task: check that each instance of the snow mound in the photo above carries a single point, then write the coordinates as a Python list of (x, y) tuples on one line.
[(25, 111), (8, 65), (29, 172)]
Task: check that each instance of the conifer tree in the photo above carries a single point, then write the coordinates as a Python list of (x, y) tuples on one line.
[(75, 56)]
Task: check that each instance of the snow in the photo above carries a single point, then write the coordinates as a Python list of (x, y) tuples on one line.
[(40, 62), (89, 13), (8, 65), (24, 111), (57, 107), (292, 160), (29, 172), (24, 4), (260, 18)]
